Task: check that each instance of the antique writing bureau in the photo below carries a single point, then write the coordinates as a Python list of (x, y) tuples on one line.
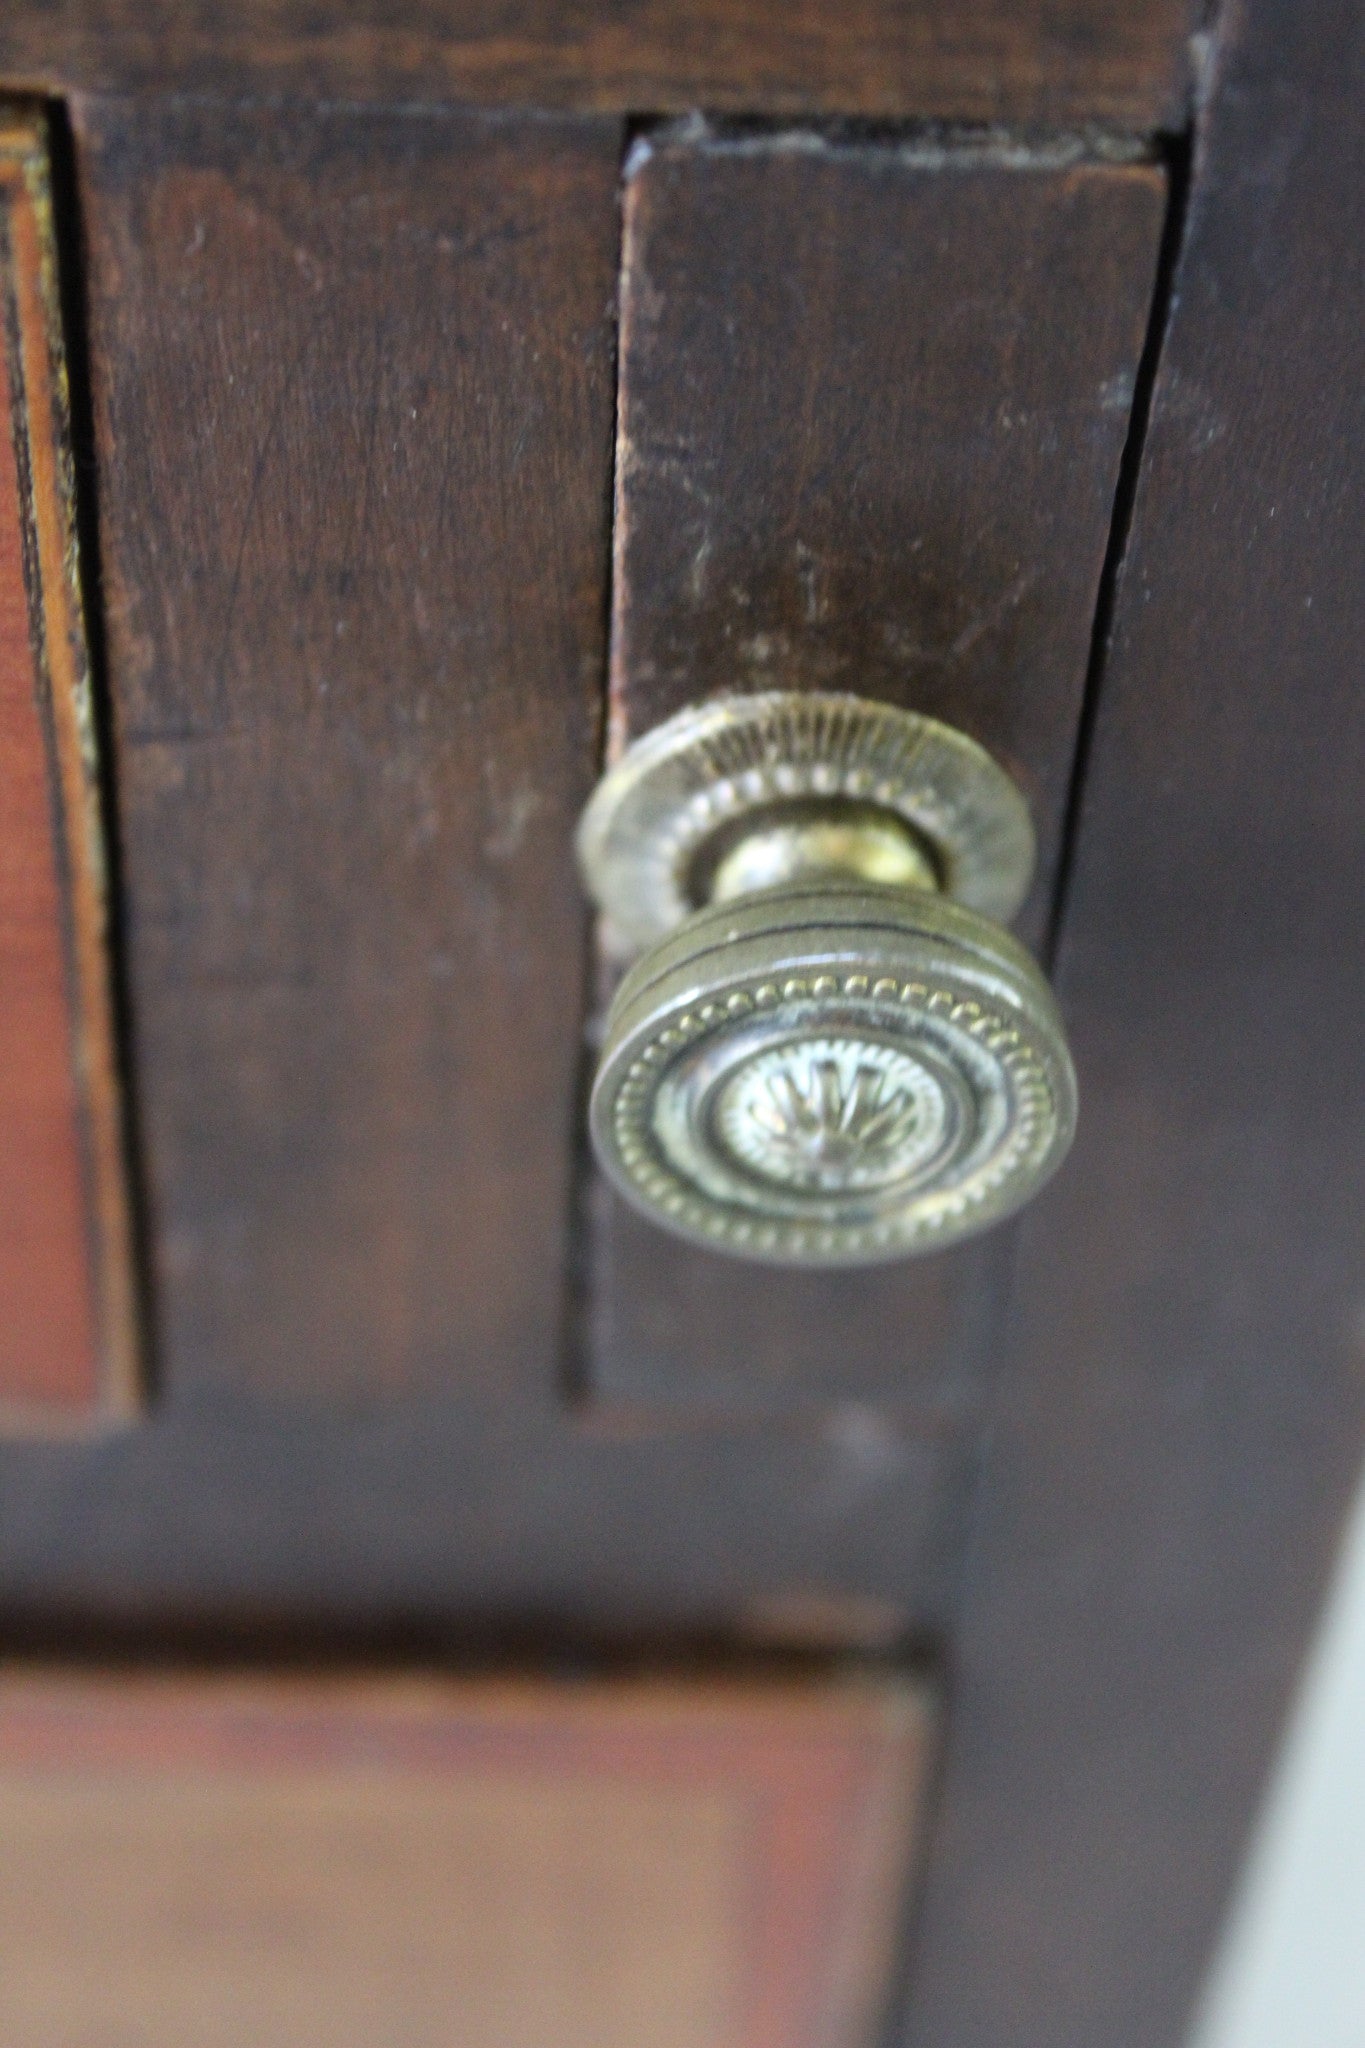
[(414, 407)]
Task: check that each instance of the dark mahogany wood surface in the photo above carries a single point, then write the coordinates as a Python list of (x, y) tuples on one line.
[(1120, 62), (1179, 1424), (353, 381), (872, 407), (446, 1524), (354, 391), (1183, 1419)]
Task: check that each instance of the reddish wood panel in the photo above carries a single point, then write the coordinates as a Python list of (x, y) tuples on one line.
[(872, 405), (689, 1864), (1123, 62), (353, 381), (1181, 1422), (66, 1338)]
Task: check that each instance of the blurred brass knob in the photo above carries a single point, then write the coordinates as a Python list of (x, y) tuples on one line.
[(828, 1051)]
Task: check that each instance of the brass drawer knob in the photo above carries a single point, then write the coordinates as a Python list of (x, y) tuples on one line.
[(828, 1051)]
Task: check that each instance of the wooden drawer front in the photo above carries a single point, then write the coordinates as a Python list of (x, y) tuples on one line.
[(66, 1296), (872, 405), (354, 395), (502, 1866)]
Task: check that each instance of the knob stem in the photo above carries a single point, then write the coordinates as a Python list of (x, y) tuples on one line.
[(812, 839)]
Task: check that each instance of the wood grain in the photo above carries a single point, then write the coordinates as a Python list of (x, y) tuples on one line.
[(1183, 1421), (1026, 61), (353, 378), (67, 1327), (689, 1864), (428, 1521), (872, 406)]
